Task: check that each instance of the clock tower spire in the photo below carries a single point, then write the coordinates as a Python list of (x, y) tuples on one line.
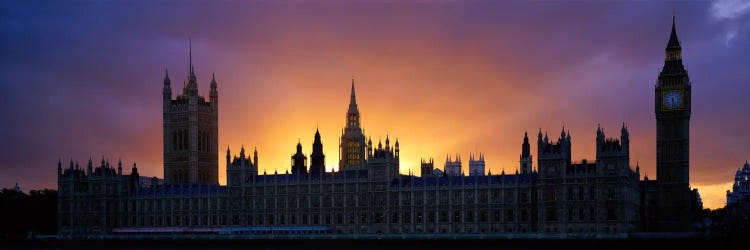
[(672, 108)]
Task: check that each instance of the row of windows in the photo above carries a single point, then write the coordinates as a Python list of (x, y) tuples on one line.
[(181, 140), (495, 216), (177, 204), (581, 214), (367, 200), (183, 176), (583, 193)]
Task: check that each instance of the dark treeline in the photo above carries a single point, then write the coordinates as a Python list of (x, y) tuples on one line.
[(21, 213)]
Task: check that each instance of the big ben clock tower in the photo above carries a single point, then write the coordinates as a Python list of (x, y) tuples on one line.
[(672, 107)]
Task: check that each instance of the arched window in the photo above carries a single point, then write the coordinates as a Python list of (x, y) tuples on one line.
[(185, 139), (181, 140), (174, 139)]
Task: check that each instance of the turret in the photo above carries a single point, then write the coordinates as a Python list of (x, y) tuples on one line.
[(525, 146), (562, 134), (214, 93), (191, 88), (637, 169), (119, 167), (255, 157), (525, 159), (90, 166), (242, 154), (59, 167), (625, 138), (476, 165), (369, 147), (228, 156), (397, 150), (299, 161), (317, 158), (167, 89), (134, 178), (427, 167)]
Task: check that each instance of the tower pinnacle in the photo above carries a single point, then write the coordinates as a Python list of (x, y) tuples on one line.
[(673, 41), (353, 100), (190, 54)]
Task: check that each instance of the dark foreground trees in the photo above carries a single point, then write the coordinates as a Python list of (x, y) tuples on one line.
[(21, 214)]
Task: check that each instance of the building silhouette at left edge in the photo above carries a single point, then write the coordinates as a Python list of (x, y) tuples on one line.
[(368, 195)]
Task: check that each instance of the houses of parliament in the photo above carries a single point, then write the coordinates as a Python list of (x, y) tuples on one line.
[(368, 196)]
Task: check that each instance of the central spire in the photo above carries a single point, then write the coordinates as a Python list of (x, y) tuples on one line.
[(353, 100), (352, 115), (190, 55)]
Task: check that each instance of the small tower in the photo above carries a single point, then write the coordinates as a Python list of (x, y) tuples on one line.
[(190, 132), (214, 94), (396, 155), (90, 166), (135, 182), (317, 158), (352, 141), (299, 161), (625, 138), (369, 148), (427, 167), (452, 168), (476, 165), (228, 156), (167, 91), (526, 159), (255, 157)]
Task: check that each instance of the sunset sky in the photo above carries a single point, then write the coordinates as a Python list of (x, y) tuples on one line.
[(84, 79)]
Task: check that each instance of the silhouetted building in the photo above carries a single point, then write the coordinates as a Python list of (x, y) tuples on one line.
[(368, 195), (352, 145), (191, 133), (427, 167), (476, 165), (317, 158), (598, 198), (587, 197), (672, 107), (452, 167), (299, 161), (649, 205), (526, 158), (697, 202), (740, 187), (91, 201)]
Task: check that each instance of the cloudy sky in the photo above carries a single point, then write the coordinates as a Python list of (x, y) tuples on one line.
[(83, 79)]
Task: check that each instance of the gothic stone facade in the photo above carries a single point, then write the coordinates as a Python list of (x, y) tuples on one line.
[(672, 108), (564, 197), (191, 133), (369, 195)]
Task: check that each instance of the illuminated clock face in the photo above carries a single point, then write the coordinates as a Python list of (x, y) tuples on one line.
[(672, 100)]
